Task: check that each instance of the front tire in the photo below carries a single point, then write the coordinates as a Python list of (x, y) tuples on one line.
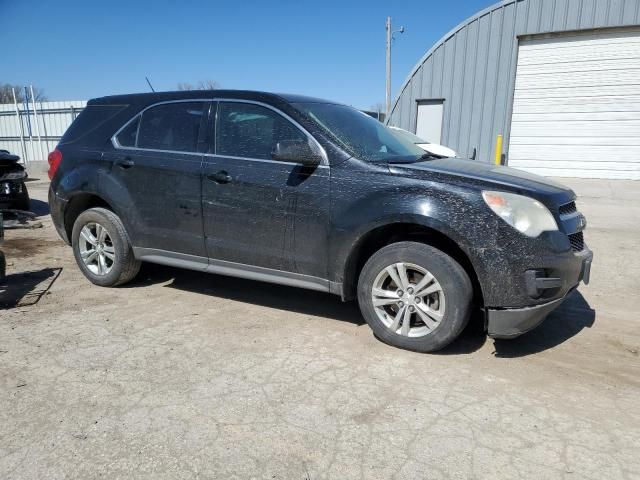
[(414, 296), (102, 249)]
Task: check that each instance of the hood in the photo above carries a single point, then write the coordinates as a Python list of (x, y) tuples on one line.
[(438, 149), (7, 158), (487, 176), (10, 169)]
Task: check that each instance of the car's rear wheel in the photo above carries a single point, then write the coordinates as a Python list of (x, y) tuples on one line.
[(414, 296), (102, 249)]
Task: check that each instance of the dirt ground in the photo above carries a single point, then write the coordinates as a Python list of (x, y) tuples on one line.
[(189, 375)]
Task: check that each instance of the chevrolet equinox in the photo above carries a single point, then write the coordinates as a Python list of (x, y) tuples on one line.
[(309, 193)]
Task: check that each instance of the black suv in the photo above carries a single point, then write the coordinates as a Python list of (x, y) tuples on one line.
[(305, 192)]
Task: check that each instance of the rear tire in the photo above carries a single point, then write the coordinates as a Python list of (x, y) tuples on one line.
[(102, 249), (414, 296)]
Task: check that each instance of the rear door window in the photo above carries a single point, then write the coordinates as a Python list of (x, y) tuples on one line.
[(171, 127), (252, 131)]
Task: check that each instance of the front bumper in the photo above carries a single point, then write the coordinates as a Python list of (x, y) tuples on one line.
[(13, 195), (513, 322)]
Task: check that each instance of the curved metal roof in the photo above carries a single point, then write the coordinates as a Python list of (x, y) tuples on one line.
[(446, 37)]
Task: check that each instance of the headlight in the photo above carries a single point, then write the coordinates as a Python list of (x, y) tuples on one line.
[(525, 214)]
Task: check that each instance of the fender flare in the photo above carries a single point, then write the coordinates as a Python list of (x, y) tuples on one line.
[(348, 263)]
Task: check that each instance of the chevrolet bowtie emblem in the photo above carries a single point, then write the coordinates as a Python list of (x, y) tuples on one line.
[(582, 222)]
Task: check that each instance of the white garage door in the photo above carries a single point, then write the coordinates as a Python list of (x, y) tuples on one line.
[(576, 110)]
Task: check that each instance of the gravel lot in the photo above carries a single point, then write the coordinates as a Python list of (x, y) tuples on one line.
[(188, 375)]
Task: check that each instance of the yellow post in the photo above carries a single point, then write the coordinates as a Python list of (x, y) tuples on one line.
[(498, 149)]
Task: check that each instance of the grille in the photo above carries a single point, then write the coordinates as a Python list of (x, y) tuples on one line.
[(577, 241), (567, 208), (10, 188)]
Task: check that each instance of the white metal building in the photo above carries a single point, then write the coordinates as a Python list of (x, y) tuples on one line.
[(558, 79)]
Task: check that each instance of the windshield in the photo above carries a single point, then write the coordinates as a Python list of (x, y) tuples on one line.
[(408, 135), (361, 135)]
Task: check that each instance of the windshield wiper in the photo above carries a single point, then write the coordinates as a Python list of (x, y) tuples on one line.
[(421, 158), (403, 160)]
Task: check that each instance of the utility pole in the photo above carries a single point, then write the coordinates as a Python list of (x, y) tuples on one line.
[(388, 95), (390, 39)]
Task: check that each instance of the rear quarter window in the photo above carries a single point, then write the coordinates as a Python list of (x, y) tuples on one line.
[(128, 136), (91, 118)]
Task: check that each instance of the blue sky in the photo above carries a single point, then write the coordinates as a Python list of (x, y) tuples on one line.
[(76, 50)]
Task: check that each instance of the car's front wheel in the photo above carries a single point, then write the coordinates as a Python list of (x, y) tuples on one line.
[(102, 249), (414, 296)]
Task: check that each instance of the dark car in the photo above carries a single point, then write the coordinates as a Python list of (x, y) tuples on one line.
[(13, 191), (305, 192), (3, 261)]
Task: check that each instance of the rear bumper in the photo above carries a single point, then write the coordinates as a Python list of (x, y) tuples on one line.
[(513, 322), (56, 207)]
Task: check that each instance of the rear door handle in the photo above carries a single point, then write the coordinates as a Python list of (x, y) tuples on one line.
[(124, 162), (220, 177)]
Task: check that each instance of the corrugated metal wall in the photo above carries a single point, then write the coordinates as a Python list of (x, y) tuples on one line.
[(473, 67), (53, 118)]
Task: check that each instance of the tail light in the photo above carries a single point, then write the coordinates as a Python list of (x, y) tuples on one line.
[(55, 158)]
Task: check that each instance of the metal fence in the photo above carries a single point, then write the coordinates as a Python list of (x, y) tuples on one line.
[(32, 130)]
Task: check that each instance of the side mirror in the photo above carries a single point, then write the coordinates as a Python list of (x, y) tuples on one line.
[(296, 151)]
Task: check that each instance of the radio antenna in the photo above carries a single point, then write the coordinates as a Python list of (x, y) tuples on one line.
[(149, 83)]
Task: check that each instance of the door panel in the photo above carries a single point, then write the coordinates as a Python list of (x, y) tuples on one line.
[(166, 193), (164, 185), (270, 214), (258, 211)]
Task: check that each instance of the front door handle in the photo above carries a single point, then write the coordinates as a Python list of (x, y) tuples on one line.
[(125, 162), (220, 177)]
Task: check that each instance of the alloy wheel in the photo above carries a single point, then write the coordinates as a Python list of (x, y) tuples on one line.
[(408, 299), (96, 249)]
